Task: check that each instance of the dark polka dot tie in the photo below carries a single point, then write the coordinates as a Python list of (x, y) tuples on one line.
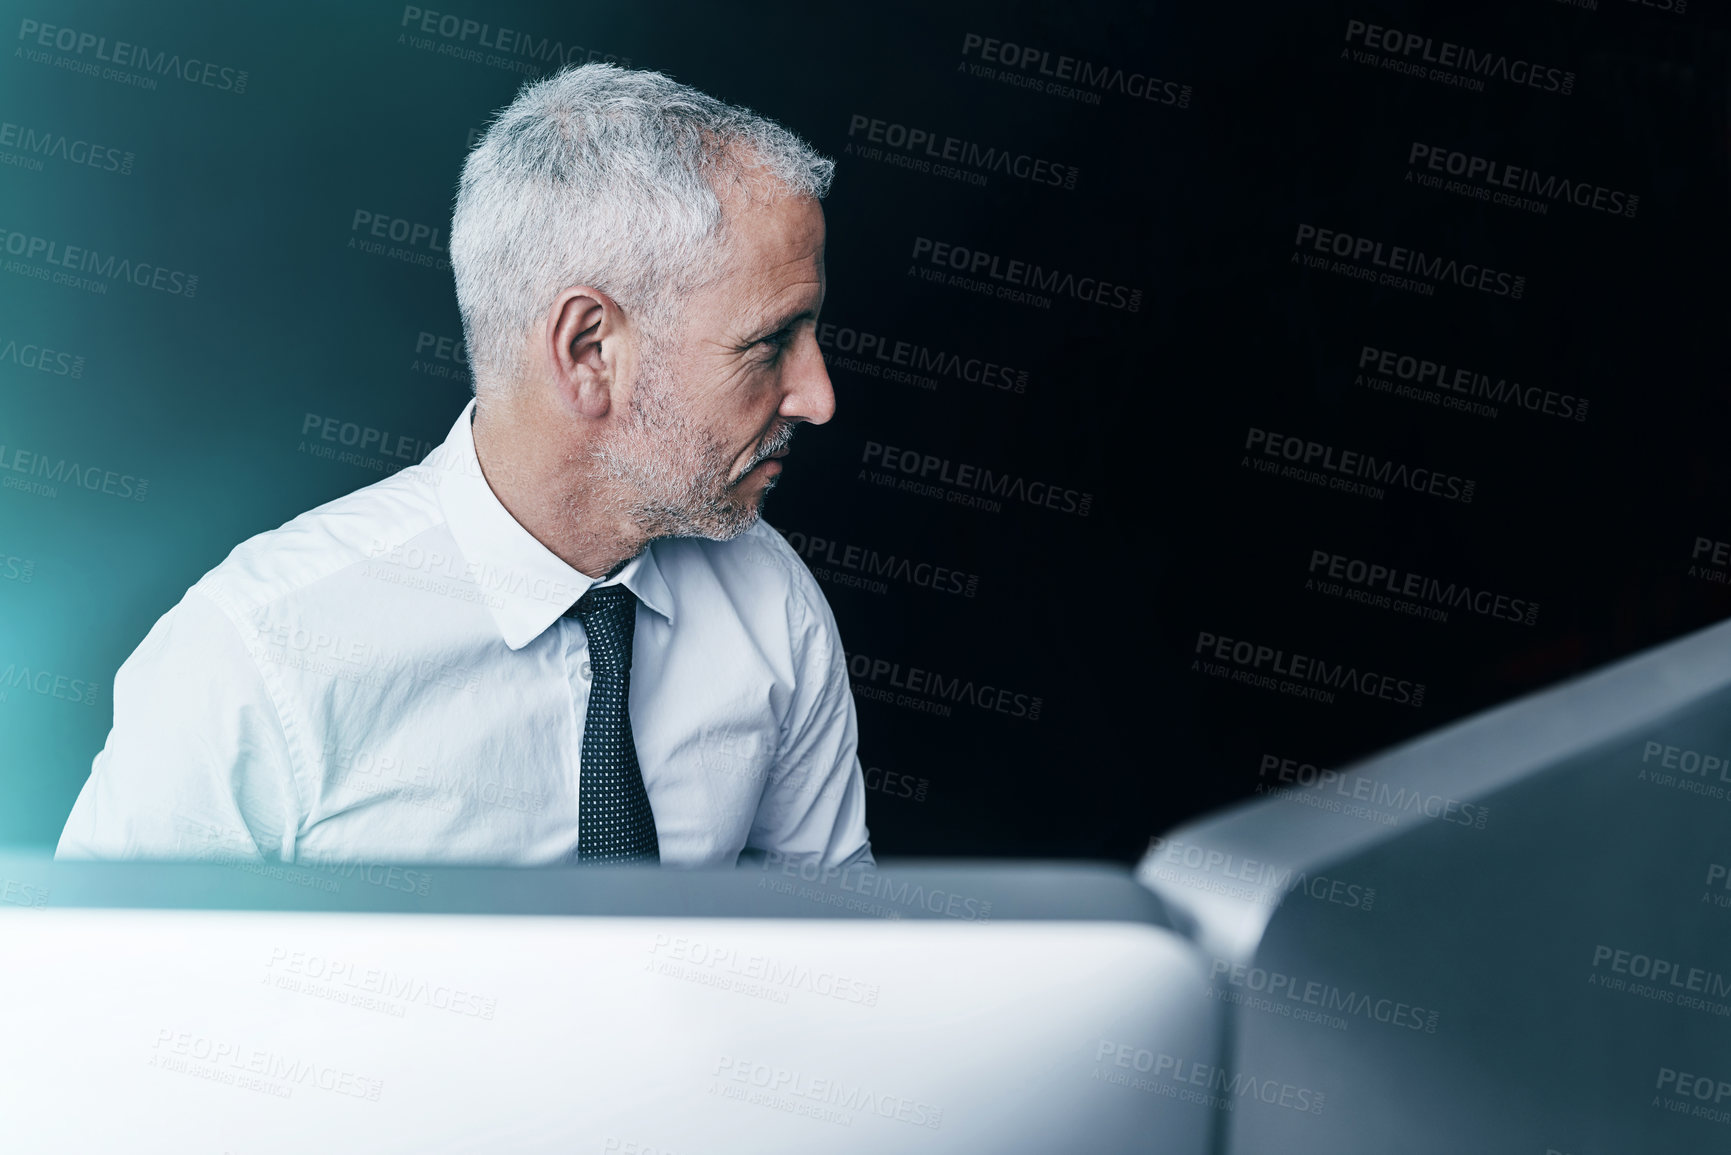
[(614, 822)]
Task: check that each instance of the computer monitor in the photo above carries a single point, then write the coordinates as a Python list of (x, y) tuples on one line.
[(1512, 934), (240, 1010)]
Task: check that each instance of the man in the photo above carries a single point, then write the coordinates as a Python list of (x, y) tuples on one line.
[(565, 635)]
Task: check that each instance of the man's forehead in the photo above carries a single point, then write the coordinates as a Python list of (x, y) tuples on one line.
[(776, 257), (779, 234)]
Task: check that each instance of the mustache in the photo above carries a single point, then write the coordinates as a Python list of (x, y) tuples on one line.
[(774, 443)]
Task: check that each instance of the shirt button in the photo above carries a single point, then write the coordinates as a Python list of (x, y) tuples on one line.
[(583, 669)]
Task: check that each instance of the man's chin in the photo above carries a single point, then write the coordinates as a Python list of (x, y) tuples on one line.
[(735, 514), (728, 530)]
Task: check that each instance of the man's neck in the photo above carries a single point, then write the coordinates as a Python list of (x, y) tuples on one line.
[(551, 487)]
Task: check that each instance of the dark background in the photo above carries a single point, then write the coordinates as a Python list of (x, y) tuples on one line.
[(1262, 121)]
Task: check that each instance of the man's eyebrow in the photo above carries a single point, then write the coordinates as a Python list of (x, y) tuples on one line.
[(787, 321)]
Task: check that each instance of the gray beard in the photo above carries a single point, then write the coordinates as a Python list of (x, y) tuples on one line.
[(673, 473)]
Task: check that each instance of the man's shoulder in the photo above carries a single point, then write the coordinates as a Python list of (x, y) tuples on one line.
[(325, 541)]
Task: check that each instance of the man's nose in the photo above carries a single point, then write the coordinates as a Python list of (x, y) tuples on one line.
[(810, 396)]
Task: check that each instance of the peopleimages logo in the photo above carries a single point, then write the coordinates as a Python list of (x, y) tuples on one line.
[(1386, 587), (1500, 181), (855, 565), (1674, 7), (1359, 796), (16, 569), (927, 146), (1327, 997), (1068, 71), (42, 358), (867, 671), (435, 788), (1701, 1088), (58, 470), (96, 51), (17, 893), (1352, 469), (1718, 877), (1182, 1074), (1017, 279), (896, 784), (221, 1059), (727, 962), (1450, 386), (353, 978), (440, 356), (33, 144), (401, 447), (1720, 554), (800, 1094), (1399, 267), (1265, 882), (1671, 981), (1461, 65), (875, 355), (412, 242), (1299, 675), (47, 683), (31, 248), (1694, 769), (399, 229), (465, 39), (923, 472)]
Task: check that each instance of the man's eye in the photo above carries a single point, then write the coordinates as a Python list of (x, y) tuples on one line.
[(776, 343)]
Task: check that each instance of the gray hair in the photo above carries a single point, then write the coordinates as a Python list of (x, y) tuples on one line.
[(608, 177)]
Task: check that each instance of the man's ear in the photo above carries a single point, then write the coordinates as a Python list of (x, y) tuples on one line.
[(586, 336)]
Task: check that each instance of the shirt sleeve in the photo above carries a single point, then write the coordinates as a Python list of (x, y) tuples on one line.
[(813, 807), (196, 766)]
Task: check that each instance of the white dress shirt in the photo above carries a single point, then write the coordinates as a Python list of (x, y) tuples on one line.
[(390, 678)]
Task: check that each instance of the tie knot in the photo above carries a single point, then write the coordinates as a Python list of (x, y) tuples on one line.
[(609, 617)]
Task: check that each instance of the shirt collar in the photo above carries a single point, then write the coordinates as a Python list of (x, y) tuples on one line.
[(526, 586)]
